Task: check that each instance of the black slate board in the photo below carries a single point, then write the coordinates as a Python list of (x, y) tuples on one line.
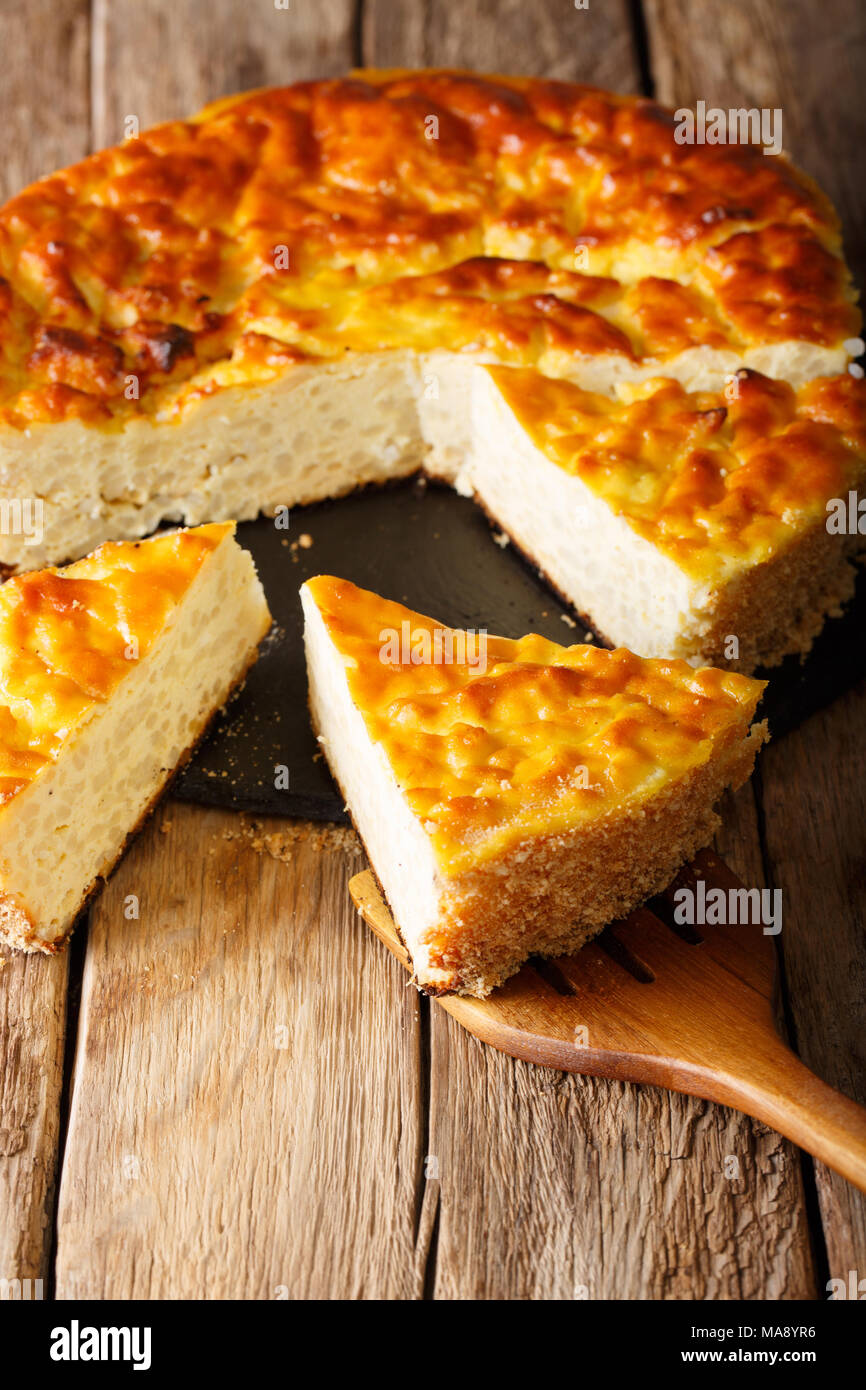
[(423, 545)]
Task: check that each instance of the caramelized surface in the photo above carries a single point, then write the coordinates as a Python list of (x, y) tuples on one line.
[(717, 481), (69, 636), (488, 756), (422, 209)]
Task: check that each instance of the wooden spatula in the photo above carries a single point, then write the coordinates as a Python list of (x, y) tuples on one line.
[(687, 1008)]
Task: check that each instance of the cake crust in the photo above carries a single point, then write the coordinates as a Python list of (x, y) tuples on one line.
[(401, 209)]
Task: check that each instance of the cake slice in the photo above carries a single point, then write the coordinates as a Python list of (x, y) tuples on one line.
[(110, 671), (684, 524), (514, 796)]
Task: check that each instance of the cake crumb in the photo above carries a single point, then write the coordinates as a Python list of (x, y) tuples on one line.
[(282, 844)]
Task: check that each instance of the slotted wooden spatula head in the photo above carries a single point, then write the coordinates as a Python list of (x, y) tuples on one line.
[(689, 1008)]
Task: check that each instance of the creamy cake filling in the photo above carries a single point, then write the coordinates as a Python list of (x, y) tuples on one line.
[(396, 844), (635, 595)]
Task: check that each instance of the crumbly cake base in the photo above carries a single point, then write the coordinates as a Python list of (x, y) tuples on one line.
[(554, 898), (778, 609)]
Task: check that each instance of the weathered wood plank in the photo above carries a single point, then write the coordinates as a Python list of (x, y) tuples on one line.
[(44, 112), (44, 88), (551, 38), (246, 1118), (165, 59), (564, 1187), (32, 1031), (815, 808)]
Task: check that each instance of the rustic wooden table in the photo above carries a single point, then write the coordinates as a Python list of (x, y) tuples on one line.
[(236, 1095)]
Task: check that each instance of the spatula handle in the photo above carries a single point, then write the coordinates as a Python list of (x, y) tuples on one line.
[(779, 1089)]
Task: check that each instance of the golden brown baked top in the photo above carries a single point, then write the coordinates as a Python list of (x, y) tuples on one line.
[(428, 209), (521, 737), (69, 636), (716, 480)]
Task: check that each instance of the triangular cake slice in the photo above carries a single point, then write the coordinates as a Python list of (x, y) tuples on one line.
[(110, 671), (514, 796), (682, 523)]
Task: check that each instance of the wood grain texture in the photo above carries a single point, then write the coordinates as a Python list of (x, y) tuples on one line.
[(246, 1118), (45, 109), (560, 1187), (807, 59), (44, 92), (33, 993), (165, 59), (815, 807), (550, 38)]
